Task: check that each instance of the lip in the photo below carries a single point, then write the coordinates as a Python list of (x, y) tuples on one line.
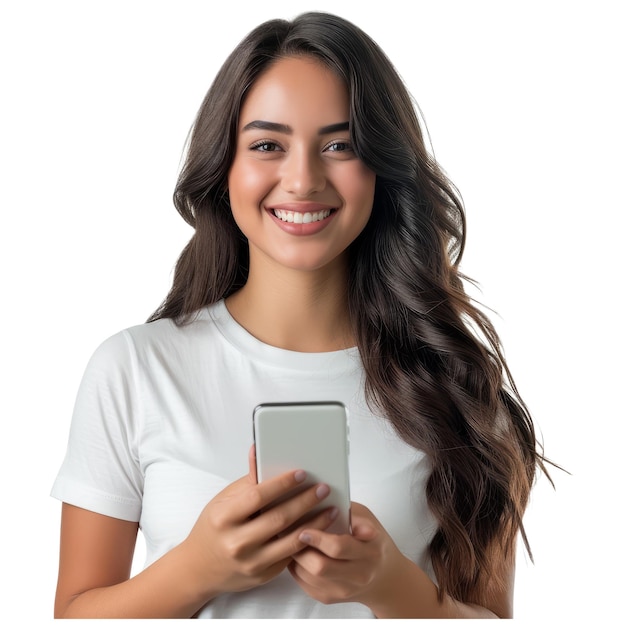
[(300, 230)]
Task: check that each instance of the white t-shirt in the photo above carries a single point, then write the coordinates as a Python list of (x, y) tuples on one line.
[(163, 422)]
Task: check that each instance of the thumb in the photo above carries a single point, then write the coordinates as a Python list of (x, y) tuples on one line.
[(252, 465), (363, 531)]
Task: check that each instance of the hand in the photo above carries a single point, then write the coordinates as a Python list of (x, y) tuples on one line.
[(233, 547), (348, 568)]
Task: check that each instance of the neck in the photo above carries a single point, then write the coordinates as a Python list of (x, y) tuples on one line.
[(303, 311)]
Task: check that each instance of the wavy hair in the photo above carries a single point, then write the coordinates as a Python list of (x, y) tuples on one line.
[(433, 361)]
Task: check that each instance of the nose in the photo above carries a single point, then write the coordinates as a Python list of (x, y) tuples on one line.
[(303, 173)]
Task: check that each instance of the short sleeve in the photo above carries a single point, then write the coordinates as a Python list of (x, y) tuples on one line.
[(101, 470)]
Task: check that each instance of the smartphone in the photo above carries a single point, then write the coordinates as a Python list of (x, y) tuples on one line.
[(312, 436)]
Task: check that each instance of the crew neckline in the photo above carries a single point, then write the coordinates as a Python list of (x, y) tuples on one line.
[(254, 348)]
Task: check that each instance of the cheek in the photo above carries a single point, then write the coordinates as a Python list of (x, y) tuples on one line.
[(360, 189), (247, 183)]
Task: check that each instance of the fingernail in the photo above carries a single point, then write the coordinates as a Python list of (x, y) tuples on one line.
[(332, 513), (305, 538), (300, 475), (322, 491)]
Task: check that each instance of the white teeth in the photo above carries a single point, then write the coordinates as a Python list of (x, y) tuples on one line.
[(301, 218)]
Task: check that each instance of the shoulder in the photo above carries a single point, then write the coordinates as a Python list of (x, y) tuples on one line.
[(160, 341), (127, 366), (162, 333)]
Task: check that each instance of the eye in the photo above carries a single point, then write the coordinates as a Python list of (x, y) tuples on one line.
[(338, 146), (265, 145)]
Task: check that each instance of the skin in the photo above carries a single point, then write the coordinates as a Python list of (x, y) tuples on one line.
[(295, 282), (303, 275), (225, 551)]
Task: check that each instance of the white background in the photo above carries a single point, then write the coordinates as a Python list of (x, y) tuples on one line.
[(525, 107)]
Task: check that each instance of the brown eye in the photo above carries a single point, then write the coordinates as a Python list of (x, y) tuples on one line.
[(339, 146), (265, 146)]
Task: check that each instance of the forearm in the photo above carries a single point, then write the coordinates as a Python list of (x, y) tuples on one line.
[(166, 589), (412, 594)]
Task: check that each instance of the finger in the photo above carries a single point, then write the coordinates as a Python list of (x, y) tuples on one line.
[(330, 544), (364, 531), (325, 520), (364, 524), (286, 546), (315, 570), (282, 517), (252, 464), (258, 496), (310, 583), (342, 547), (312, 571)]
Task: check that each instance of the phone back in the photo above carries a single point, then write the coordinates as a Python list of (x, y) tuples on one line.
[(309, 436)]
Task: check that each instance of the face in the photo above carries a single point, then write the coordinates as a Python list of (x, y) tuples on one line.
[(297, 190)]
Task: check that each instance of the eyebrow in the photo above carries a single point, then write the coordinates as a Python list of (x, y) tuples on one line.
[(287, 130)]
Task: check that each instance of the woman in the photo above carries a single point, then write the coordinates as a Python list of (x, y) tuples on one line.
[(324, 266)]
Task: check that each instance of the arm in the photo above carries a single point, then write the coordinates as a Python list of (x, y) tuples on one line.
[(94, 569), (411, 593), (367, 567), (230, 548)]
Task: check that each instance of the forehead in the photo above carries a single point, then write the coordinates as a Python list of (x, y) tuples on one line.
[(296, 89)]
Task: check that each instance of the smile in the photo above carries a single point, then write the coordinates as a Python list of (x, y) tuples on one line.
[(296, 217)]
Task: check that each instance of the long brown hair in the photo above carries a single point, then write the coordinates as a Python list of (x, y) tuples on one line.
[(433, 361)]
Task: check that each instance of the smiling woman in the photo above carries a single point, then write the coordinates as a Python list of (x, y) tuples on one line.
[(323, 266), (295, 172)]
